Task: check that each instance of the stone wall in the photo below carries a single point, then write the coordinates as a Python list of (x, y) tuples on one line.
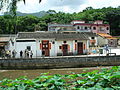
[(61, 62)]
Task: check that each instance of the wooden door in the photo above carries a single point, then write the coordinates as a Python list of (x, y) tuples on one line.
[(65, 49), (45, 47), (80, 48)]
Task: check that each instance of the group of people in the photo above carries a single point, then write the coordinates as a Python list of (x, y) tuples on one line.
[(27, 53), (5, 53), (23, 54)]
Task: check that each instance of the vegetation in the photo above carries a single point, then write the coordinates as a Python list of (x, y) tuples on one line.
[(106, 79), (10, 24)]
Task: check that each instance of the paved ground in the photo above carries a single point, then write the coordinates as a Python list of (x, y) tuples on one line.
[(117, 51)]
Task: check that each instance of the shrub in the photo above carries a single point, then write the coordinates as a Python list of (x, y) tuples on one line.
[(105, 79)]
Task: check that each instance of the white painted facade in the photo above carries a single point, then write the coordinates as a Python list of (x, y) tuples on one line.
[(72, 46), (22, 46), (55, 47)]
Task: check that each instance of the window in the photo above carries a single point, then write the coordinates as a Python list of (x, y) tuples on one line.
[(94, 28), (78, 27), (60, 47), (92, 37), (75, 40), (107, 28), (53, 42), (64, 41), (92, 44), (86, 28), (29, 48)]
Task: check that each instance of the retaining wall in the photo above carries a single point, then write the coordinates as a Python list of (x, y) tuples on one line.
[(62, 62)]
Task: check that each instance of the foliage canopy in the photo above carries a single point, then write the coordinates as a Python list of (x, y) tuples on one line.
[(12, 24), (106, 79)]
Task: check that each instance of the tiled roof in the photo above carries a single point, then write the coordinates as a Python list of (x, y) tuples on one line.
[(6, 37), (2, 44), (90, 34), (49, 35), (60, 25), (91, 24), (106, 36)]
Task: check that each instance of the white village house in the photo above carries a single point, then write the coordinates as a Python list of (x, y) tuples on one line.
[(52, 43), (77, 38)]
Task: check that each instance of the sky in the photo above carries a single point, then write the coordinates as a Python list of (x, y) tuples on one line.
[(68, 6)]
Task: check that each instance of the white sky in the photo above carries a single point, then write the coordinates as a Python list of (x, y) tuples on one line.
[(64, 5)]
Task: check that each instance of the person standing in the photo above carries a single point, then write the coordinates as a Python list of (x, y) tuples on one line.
[(31, 54), (8, 54), (21, 54), (14, 53), (27, 54), (3, 54)]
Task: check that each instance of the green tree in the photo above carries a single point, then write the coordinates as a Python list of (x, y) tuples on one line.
[(26, 23), (113, 17)]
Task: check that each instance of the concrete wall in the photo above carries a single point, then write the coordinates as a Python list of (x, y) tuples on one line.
[(59, 62), (117, 51), (102, 41)]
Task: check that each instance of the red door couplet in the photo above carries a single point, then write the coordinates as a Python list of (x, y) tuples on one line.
[(45, 47)]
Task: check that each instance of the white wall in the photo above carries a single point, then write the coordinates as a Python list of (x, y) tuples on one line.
[(53, 48), (37, 52), (22, 46), (117, 51), (72, 46)]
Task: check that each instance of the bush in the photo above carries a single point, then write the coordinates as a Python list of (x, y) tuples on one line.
[(105, 79)]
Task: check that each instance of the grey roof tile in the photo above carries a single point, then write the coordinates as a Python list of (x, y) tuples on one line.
[(57, 36)]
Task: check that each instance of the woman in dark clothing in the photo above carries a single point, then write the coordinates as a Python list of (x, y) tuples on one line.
[(21, 54)]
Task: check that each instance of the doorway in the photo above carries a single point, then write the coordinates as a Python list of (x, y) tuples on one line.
[(65, 49), (45, 48), (80, 48)]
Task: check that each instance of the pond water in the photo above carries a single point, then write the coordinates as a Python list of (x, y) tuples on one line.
[(12, 74)]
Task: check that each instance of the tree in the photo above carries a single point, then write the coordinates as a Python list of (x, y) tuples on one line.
[(11, 5), (88, 8), (113, 17), (26, 23)]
